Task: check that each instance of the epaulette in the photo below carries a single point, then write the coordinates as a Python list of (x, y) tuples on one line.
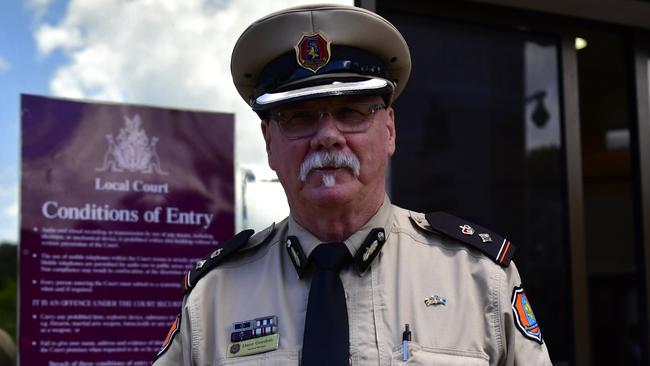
[(245, 240), (493, 245), (210, 261)]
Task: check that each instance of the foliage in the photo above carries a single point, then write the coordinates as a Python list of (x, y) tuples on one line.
[(8, 305), (8, 294)]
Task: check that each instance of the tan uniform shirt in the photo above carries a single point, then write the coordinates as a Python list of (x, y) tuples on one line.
[(474, 327)]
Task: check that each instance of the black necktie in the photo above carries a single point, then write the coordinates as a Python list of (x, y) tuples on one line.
[(327, 340)]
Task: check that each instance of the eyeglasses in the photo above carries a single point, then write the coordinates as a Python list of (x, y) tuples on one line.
[(348, 118)]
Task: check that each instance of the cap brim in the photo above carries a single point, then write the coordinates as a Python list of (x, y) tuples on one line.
[(374, 86)]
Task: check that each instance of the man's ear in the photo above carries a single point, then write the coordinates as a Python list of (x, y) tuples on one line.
[(264, 125), (390, 127), (266, 133)]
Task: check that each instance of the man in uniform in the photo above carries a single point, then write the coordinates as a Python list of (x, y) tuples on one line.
[(347, 278)]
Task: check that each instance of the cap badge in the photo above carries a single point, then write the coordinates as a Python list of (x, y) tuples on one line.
[(313, 51)]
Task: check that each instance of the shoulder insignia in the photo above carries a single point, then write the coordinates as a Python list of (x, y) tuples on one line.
[(213, 259), (498, 248)]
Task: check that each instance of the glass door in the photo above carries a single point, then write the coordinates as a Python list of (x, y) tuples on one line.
[(479, 135), (538, 126), (614, 249)]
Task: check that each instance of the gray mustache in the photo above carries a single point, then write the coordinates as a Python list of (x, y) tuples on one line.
[(321, 159)]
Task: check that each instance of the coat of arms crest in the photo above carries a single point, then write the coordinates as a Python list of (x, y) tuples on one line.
[(313, 51), (132, 150)]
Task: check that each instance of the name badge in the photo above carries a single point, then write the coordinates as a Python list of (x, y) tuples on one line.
[(253, 346)]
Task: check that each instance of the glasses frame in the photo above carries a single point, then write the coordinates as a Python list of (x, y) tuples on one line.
[(372, 109)]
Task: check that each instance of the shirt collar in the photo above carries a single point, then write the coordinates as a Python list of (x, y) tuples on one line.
[(306, 241)]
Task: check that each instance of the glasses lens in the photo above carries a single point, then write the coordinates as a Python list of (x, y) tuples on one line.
[(355, 117), (299, 123)]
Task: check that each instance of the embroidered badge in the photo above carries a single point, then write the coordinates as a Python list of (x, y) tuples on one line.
[(523, 315), (313, 51)]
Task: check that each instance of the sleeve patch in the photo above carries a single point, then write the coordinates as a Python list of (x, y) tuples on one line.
[(523, 315)]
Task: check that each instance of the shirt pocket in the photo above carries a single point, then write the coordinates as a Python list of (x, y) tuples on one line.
[(419, 355), (273, 358)]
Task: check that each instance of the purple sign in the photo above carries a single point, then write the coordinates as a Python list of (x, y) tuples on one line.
[(117, 202)]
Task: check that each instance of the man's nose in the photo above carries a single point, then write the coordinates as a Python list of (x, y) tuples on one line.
[(328, 135)]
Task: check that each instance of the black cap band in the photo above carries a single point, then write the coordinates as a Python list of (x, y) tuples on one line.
[(281, 73)]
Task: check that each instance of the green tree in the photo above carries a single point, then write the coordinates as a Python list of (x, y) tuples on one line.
[(8, 293)]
